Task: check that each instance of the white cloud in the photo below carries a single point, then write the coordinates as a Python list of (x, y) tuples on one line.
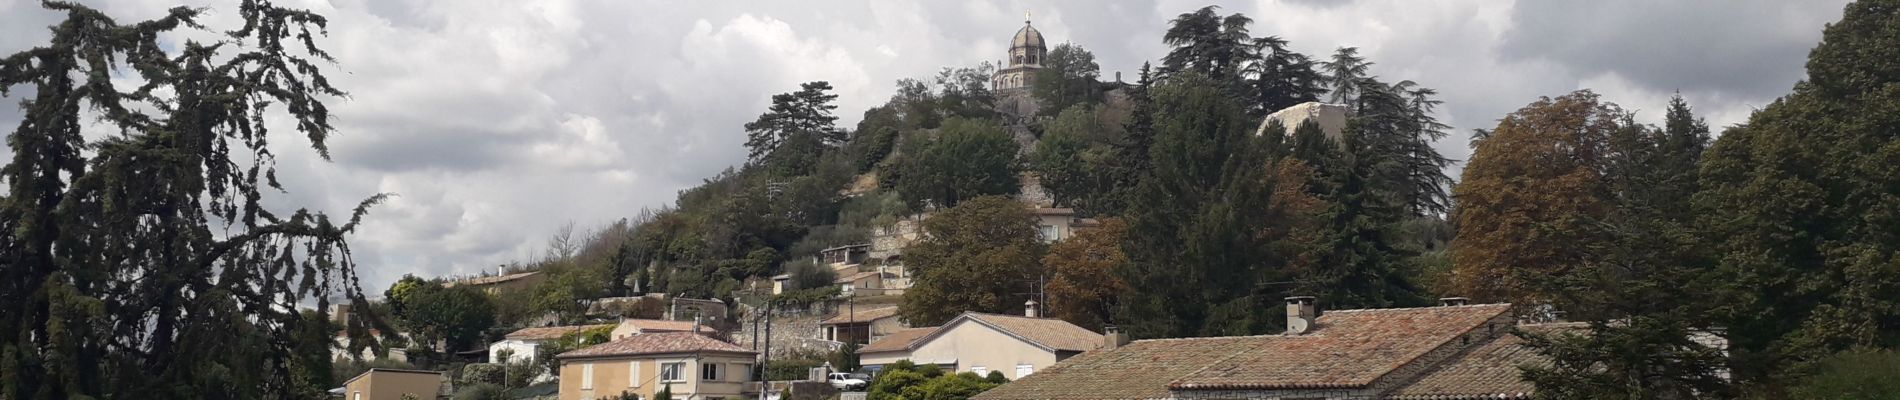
[(499, 121)]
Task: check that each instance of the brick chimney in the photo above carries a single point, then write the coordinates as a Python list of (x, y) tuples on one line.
[(1453, 301), (1302, 312), (1112, 337), (1030, 309)]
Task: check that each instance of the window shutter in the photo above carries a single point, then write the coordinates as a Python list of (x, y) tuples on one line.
[(587, 376), (633, 373)]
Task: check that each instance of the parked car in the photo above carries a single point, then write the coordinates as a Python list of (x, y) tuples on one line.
[(848, 382)]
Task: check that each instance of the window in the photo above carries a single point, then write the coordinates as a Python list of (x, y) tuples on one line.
[(1023, 370), (673, 372), (1048, 233), (633, 374), (744, 372), (980, 370), (587, 376), (708, 372), (359, 395)]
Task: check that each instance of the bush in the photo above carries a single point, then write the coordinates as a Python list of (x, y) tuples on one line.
[(495, 374), (481, 391), (1854, 375), (790, 369)]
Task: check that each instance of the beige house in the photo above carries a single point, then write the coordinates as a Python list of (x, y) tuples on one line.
[(691, 366), (861, 326), (393, 384), (1015, 345), (634, 326), (1453, 351)]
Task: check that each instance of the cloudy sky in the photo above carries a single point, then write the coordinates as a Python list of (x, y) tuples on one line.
[(498, 121)]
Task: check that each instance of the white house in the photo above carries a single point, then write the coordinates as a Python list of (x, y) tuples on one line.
[(522, 344)]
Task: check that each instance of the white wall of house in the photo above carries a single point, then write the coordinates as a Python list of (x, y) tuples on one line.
[(523, 350), (975, 347)]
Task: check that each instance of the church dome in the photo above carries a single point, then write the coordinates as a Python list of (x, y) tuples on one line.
[(1027, 37)]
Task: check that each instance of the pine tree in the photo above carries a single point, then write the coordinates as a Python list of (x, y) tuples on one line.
[(1344, 74), (1206, 43), (145, 265), (1282, 78), (796, 128)]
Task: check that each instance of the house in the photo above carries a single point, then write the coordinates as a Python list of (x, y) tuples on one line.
[(861, 326), (523, 343), (1016, 345), (340, 347), (842, 256), (393, 384), (691, 366), (634, 326), (1453, 351), (502, 283)]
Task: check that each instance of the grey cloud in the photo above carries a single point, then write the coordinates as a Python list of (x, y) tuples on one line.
[(498, 121), (1740, 47)]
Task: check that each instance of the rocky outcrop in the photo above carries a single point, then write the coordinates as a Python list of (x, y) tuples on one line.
[(1330, 117)]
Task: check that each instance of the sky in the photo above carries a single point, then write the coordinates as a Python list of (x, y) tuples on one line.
[(497, 122)]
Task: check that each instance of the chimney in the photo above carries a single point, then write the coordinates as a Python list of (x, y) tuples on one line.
[(696, 323), (1301, 313), (501, 270), (1453, 301), (1112, 337), (1030, 310)]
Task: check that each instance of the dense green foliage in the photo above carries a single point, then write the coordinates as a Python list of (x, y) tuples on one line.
[(967, 159), (1799, 207), (144, 264), (978, 256), (906, 381), (1853, 375), (1067, 79)]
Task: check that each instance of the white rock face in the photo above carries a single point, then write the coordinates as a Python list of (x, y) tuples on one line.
[(1331, 118)]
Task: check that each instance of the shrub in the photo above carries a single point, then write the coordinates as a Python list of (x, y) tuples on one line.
[(495, 374)]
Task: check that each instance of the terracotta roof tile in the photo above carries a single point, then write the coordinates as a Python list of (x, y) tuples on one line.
[(1139, 370), (1489, 371), (898, 340), (862, 315), (660, 325), (1350, 348), (549, 332), (656, 343), (1048, 332)]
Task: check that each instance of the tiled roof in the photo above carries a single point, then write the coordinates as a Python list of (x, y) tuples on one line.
[(490, 279), (862, 315), (1139, 370), (856, 276), (659, 325), (1489, 371), (1054, 211), (898, 340), (1047, 332), (1350, 348), (549, 332), (656, 343)]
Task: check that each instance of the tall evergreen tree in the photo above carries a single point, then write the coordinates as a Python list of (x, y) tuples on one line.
[(1200, 258), (1344, 74), (796, 128), (1207, 43), (145, 265), (1282, 78), (1799, 204)]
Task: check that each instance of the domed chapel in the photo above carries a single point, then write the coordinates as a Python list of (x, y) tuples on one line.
[(1026, 51)]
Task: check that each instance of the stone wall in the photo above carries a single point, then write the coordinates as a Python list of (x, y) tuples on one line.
[(792, 331)]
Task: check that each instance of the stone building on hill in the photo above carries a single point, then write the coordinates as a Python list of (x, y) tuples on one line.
[(1026, 51), (1330, 117), (1453, 351)]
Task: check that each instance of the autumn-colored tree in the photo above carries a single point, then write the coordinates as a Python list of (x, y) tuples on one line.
[(1082, 282), (981, 255), (1525, 195)]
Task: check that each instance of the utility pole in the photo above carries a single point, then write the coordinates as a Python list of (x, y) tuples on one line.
[(765, 379)]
